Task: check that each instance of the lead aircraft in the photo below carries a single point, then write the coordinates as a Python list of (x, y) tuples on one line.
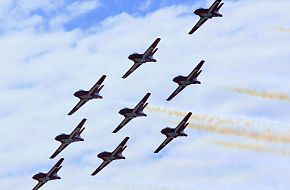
[(42, 178), (65, 139), (139, 59), (206, 14), (184, 81), (130, 114), (108, 157), (172, 133), (84, 96)]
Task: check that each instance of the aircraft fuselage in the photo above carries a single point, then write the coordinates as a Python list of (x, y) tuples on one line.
[(42, 177), (64, 138), (127, 112), (107, 156), (84, 95), (182, 80), (204, 13), (170, 132), (139, 58)]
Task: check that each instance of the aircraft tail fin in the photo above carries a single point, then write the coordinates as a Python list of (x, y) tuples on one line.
[(80, 132), (100, 88), (198, 73), (144, 106), (154, 51), (57, 169), (219, 7), (124, 148)]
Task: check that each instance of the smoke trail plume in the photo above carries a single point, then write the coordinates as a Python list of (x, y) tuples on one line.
[(281, 29), (209, 119), (228, 126), (256, 135), (252, 147), (261, 94)]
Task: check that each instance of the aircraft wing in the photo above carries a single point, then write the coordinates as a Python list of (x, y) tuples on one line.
[(214, 6), (79, 104), (142, 104), (104, 164), (178, 90), (98, 86), (196, 71), (122, 124), (78, 128), (60, 148), (165, 142), (55, 167), (37, 186), (181, 126), (197, 25), (150, 51), (120, 147), (133, 68)]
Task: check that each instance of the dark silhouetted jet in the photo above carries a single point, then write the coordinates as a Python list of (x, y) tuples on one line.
[(139, 59), (172, 133), (206, 14), (184, 81), (42, 178), (65, 139), (85, 96), (108, 157), (129, 114)]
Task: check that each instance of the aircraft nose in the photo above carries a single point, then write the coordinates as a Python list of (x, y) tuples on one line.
[(121, 112), (57, 138), (197, 12)]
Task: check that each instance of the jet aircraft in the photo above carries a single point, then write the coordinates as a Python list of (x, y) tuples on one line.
[(108, 157), (184, 81), (139, 59), (42, 178), (65, 139), (129, 114), (85, 96), (172, 133), (206, 14)]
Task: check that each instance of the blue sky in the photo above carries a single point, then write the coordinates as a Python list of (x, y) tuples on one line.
[(115, 7)]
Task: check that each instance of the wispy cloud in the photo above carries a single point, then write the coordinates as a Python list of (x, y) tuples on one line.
[(145, 5)]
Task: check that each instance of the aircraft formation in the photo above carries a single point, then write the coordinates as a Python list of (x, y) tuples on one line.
[(129, 113)]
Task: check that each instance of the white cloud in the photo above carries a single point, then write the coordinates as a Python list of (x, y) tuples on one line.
[(82, 7), (74, 10), (48, 66)]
